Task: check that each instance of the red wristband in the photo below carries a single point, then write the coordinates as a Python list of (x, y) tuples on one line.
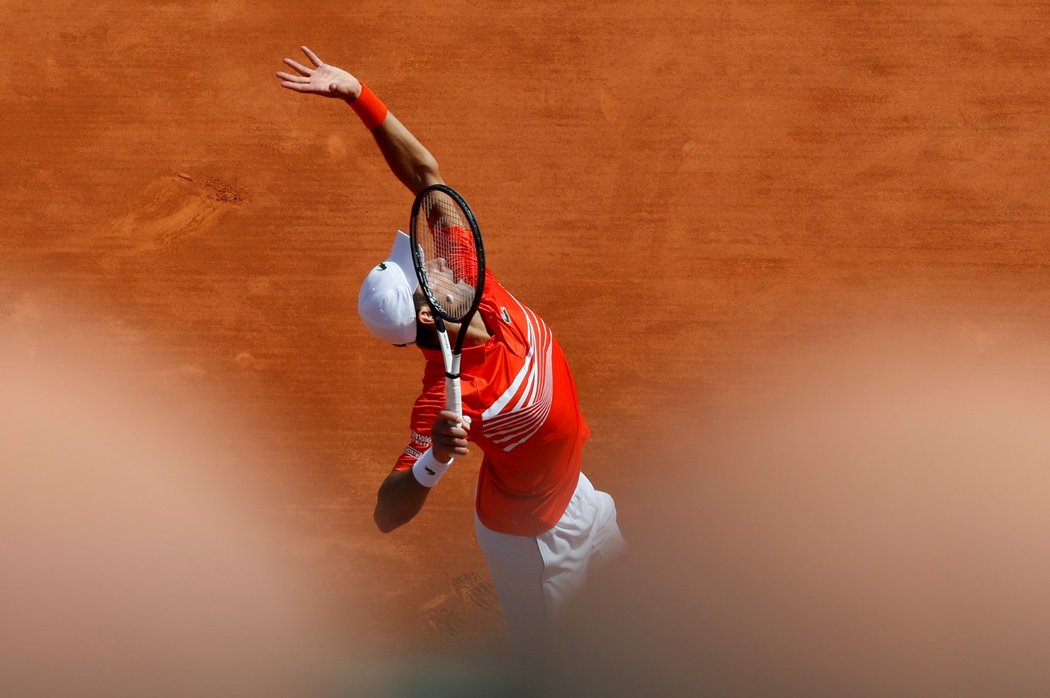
[(369, 107)]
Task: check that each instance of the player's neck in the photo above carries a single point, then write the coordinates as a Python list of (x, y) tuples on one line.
[(477, 333)]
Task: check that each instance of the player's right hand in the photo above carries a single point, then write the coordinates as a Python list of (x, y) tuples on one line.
[(449, 436), (322, 79)]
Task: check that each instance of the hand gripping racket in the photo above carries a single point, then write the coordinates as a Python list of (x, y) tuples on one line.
[(450, 264)]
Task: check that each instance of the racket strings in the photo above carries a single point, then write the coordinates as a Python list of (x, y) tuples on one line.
[(449, 255)]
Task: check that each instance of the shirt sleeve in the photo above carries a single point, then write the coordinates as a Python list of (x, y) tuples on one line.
[(458, 244), (426, 407), (493, 288)]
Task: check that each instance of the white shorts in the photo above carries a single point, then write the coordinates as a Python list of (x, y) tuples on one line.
[(535, 577)]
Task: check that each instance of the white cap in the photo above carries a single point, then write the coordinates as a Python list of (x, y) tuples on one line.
[(385, 301)]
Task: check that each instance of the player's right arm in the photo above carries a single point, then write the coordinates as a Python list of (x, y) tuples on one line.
[(410, 162), (402, 496)]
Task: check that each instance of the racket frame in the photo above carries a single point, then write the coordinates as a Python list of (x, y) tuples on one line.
[(451, 355)]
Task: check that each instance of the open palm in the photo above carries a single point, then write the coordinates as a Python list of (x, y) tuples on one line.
[(322, 79)]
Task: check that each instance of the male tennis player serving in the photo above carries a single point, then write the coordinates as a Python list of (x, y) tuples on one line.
[(539, 521)]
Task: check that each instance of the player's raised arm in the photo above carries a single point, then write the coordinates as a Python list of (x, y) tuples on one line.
[(410, 162)]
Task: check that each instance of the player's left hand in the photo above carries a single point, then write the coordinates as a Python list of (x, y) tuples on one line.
[(322, 79), (449, 436)]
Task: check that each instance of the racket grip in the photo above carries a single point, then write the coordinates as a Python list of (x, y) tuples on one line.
[(453, 396)]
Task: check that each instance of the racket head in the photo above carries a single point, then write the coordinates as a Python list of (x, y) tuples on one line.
[(447, 253)]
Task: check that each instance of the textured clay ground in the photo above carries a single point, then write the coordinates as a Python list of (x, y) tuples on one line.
[(689, 193)]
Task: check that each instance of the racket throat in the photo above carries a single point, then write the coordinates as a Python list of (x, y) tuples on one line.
[(446, 351), (453, 396), (452, 367)]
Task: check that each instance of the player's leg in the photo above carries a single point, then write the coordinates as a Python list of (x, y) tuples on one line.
[(535, 578), (516, 568), (585, 537)]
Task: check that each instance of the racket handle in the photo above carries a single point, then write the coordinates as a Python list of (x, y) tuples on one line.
[(453, 396)]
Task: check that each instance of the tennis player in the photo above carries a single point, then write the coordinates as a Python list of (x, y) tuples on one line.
[(540, 523)]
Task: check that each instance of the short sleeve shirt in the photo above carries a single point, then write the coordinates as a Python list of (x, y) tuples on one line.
[(525, 417)]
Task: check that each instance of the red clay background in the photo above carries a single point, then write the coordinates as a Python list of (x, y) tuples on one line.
[(687, 191)]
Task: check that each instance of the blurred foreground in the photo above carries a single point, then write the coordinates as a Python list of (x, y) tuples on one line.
[(138, 557), (876, 525)]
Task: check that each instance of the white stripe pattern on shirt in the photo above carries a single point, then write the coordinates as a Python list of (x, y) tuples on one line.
[(509, 427)]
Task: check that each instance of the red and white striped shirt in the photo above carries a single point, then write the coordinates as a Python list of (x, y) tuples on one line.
[(525, 417)]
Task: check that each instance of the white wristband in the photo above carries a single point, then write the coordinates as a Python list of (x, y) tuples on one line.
[(428, 469)]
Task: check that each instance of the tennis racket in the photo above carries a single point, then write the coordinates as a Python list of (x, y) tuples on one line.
[(450, 264)]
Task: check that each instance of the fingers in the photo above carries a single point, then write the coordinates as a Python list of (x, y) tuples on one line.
[(452, 451), (299, 67), (450, 430), (448, 416), (461, 422), (449, 435), (288, 77), (312, 56)]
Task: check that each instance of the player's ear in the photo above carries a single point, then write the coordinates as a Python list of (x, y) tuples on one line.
[(424, 316)]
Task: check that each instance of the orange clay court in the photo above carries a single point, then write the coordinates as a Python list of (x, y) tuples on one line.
[(689, 192)]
